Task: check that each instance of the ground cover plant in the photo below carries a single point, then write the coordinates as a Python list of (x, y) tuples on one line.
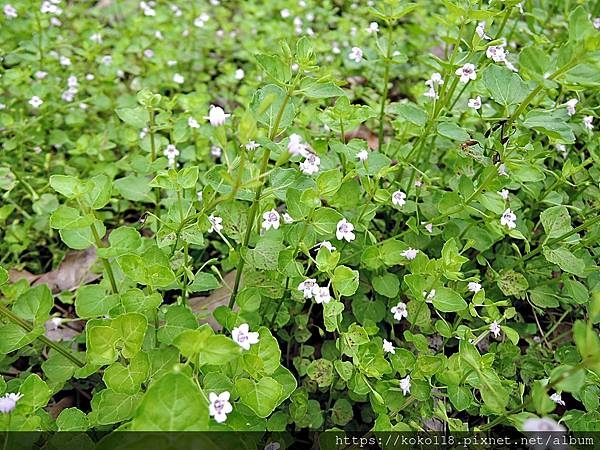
[(299, 216)]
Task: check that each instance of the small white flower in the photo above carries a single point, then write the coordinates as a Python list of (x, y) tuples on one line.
[(436, 78), (64, 61), (571, 106), (171, 152), (296, 147), (508, 219), (252, 145), (429, 295), (271, 220), (399, 198), (90, 76), (178, 78), (322, 295), (388, 347), (356, 54), (405, 385), (219, 406), (106, 60), (215, 223), (287, 218), (216, 116), (344, 231), (72, 81), (466, 73), (543, 424), (480, 30), (410, 253), (239, 74), (373, 27), (327, 245), (335, 49), (158, 35), (557, 398), (596, 23), (201, 20), (96, 37), (35, 101), (502, 170), (431, 93), (10, 12), (149, 53), (285, 13), (363, 155), (311, 164), (475, 103), (244, 337), (504, 194), (193, 123), (587, 122), (308, 287), (2, 106), (399, 311), (496, 53), (171, 63), (199, 196), (474, 287), (40, 74), (495, 329), (148, 11), (9, 402), (429, 227)]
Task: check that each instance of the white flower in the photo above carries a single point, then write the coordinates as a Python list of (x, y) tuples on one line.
[(285, 13), (271, 220), (335, 49), (199, 196), (405, 385), (473, 286), (504, 194), (72, 81), (178, 78), (239, 74), (436, 78), (216, 116), (502, 170), (96, 37), (356, 54), (201, 20), (508, 219), (171, 63), (10, 12), (496, 53), (399, 198), (475, 103), (2, 106), (556, 398), (311, 164), (495, 329), (388, 347), (363, 155), (429, 295), (216, 151), (143, 133), (571, 106), (35, 101), (322, 295), (64, 61), (344, 231), (251, 145), (40, 74), (373, 27), (193, 123), (431, 93), (171, 152), (215, 223), (587, 122), (244, 337), (272, 446), (90, 76), (50, 8), (287, 218), (399, 311), (466, 73), (596, 23), (219, 406), (327, 245), (8, 402), (107, 60), (480, 30), (148, 11), (308, 287), (543, 424), (410, 253), (149, 53), (296, 147), (429, 227)]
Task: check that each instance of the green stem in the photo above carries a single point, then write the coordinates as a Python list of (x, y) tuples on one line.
[(28, 327), (386, 77), (105, 263), (255, 203)]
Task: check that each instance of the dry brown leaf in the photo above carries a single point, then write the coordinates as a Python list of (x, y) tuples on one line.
[(204, 306), (364, 133)]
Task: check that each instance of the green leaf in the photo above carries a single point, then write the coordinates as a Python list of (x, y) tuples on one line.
[(556, 221), (35, 304), (448, 300), (127, 379), (566, 260), (219, 350), (504, 86), (99, 191), (332, 315), (3, 276), (131, 328), (452, 131), (110, 407), (36, 393), (136, 117), (92, 301), (512, 283), (65, 217), (387, 285), (345, 280), (274, 67), (67, 185), (553, 124), (72, 419), (122, 240), (261, 397), (178, 318), (135, 188), (325, 221), (204, 282), (323, 90), (267, 103), (173, 403), (267, 350), (101, 342)]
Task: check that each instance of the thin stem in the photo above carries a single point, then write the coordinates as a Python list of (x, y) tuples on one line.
[(28, 327), (386, 77), (105, 262)]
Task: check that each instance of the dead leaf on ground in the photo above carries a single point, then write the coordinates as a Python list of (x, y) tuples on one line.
[(204, 306), (364, 133), (73, 271)]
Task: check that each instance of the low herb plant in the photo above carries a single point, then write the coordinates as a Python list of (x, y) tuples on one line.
[(388, 221)]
